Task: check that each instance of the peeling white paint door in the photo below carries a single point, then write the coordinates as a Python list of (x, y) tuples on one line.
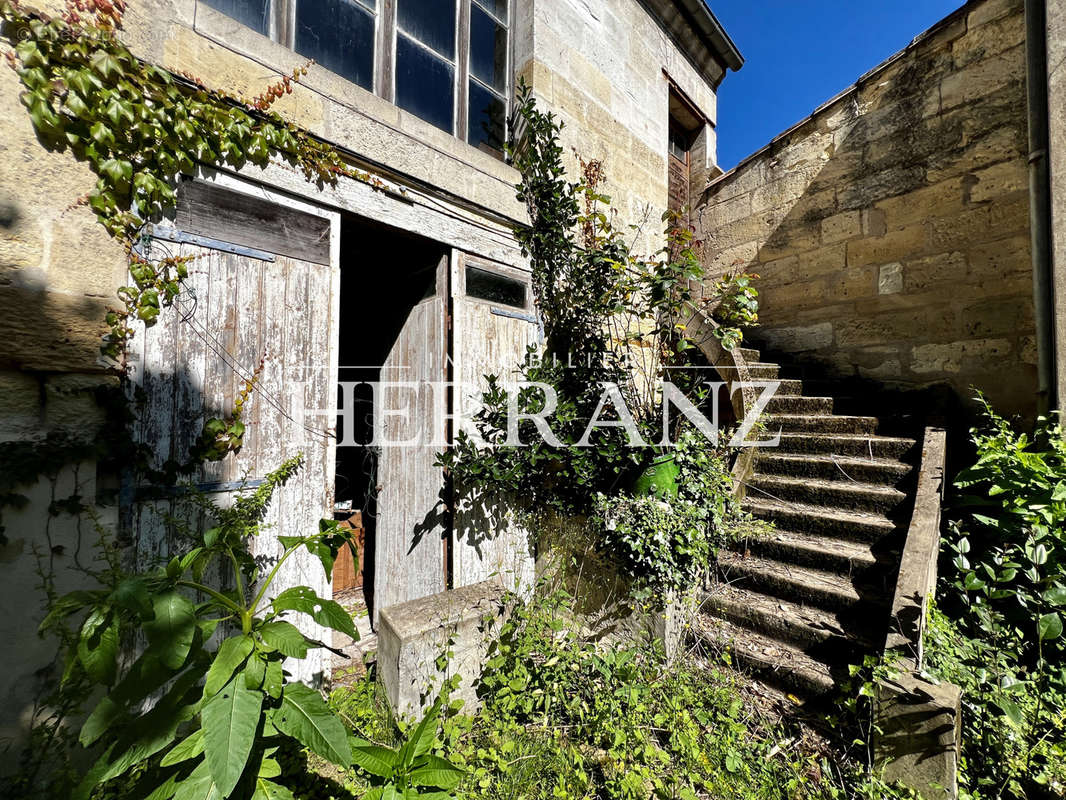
[(494, 324), (242, 308)]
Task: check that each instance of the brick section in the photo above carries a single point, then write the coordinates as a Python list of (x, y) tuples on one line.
[(891, 227)]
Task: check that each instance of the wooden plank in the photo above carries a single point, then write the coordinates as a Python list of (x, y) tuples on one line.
[(487, 540), (411, 516), (207, 209)]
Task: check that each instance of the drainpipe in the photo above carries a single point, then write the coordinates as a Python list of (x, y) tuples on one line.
[(1040, 201)]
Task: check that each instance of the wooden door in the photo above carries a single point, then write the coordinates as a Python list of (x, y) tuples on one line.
[(493, 325), (412, 510), (242, 307)]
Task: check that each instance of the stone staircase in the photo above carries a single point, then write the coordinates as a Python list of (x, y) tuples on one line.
[(799, 605)]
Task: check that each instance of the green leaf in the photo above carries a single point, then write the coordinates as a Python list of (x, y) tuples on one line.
[(285, 638), (1050, 627), (118, 172), (305, 716), (1055, 596), (103, 717), (325, 612), (231, 654), (189, 747), (106, 64), (170, 633), (198, 786), (230, 719), (273, 679), (436, 772), (376, 760), (268, 790), (1011, 710), (132, 594), (98, 645)]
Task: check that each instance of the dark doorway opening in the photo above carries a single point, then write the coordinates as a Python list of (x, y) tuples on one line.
[(385, 274)]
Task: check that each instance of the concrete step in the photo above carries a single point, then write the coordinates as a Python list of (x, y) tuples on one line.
[(799, 405), (846, 495), (842, 444), (819, 552), (808, 423), (885, 471), (768, 659), (822, 634), (805, 585), (749, 354), (852, 525), (763, 372)]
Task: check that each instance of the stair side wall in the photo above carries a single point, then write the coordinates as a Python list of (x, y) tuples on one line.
[(890, 228)]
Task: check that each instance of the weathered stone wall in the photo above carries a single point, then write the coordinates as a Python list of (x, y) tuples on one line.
[(1056, 56), (891, 227), (602, 67)]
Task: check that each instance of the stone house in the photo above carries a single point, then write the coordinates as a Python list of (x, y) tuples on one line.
[(421, 279)]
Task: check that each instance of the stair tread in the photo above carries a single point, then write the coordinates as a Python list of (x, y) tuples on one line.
[(768, 655), (842, 461), (828, 582), (856, 487), (742, 604), (854, 517), (856, 552), (819, 417)]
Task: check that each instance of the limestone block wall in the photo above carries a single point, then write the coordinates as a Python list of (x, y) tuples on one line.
[(1056, 56), (890, 228), (604, 67)]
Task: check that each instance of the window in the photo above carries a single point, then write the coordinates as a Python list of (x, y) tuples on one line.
[(445, 61), (485, 285)]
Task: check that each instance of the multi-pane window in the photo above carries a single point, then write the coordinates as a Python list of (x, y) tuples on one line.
[(446, 61)]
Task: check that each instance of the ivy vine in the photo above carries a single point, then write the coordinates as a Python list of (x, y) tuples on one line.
[(140, 128)]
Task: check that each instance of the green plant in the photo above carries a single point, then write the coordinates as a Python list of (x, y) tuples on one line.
[(203, 708), (1003, 587), (411, 770)]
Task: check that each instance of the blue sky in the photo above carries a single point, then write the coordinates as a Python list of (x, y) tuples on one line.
[(799, 53)]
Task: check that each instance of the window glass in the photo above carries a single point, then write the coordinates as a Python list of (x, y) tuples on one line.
[(425, 84), (431, 22), (497, 7), (488, 49), (339, 35), (486, 118), (485, 285), (253, 13)]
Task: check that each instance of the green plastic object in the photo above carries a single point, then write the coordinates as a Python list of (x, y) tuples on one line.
[(659, 479)]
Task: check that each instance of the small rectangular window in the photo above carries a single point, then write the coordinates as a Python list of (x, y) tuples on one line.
[(253, 13), (496, 288), (488, 50), (339, 35)]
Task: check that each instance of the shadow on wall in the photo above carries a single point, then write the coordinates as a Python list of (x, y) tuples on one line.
[(890, 229)]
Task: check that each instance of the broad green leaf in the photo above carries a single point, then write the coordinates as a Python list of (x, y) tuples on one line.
[(285, 638), (170, 634), (189, 747), (1011, 710), (325, 612), (268, 790), (230, 719), (305, 716), (436, 772), (198, 786), (273, 679), (422, 739), (1055, 596), (98, 646), (105, 715), (376, 760), (132, 594), (231, 654), (1050, 627)]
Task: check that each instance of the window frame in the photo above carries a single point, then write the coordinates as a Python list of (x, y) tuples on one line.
[(282, 29)]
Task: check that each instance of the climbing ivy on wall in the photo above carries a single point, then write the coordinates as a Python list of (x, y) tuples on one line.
[(139, 128)]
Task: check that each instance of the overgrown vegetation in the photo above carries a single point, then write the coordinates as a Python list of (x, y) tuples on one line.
[(616, 327), (999, 631), (565, 718)]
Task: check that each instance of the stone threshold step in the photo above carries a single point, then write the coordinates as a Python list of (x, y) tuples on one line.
[(806, 585), (773, 662), (854, 525), (811, 550), (857, 445), (827, 636), (813, 423), (844, 495), (884, 471)]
